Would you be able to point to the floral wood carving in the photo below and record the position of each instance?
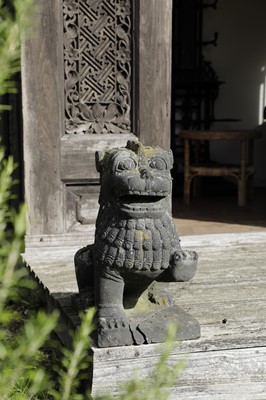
(97, 60)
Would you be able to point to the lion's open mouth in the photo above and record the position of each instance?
(140, 199)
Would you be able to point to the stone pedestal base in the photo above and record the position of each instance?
(151, 327)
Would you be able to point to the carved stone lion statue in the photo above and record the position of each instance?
(136, 243)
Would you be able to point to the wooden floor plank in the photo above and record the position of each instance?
(227, 296)
(230, 374)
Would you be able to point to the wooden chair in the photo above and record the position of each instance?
(243, 171)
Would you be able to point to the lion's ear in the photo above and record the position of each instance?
(99, 156)
(171, 158)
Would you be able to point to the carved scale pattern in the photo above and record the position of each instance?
(97, 60)
(142, 244)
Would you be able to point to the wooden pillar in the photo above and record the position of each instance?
(154, 71)
(43, 97)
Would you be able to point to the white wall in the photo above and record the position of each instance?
(240, 60)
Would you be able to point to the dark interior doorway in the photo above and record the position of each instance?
(196, 86)
(219, 75)
(11, 128)
(11, 137)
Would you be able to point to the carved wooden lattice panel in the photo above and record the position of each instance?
(81, 207)
(97, 59)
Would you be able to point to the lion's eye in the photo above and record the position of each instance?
(158, 163)
(126, 165)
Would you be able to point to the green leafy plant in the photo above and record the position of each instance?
(74, 366)
(19, 351)
(14, 21)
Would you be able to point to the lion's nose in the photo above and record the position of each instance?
(145, 173)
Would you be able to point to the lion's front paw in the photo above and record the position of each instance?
(111, 316)
(111, 323)
(114, 331)
(184, 265)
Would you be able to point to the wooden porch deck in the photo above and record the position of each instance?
(227, 296)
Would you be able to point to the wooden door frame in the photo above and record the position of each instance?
(43, 105)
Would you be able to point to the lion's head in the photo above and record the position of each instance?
(136, 178)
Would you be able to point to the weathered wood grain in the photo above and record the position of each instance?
(53, 159)
(154, 71)
(43, 114)
(78, 154)
(60, 241)
(227, 296)
(230, 374)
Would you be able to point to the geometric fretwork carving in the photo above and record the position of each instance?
(97, 60)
